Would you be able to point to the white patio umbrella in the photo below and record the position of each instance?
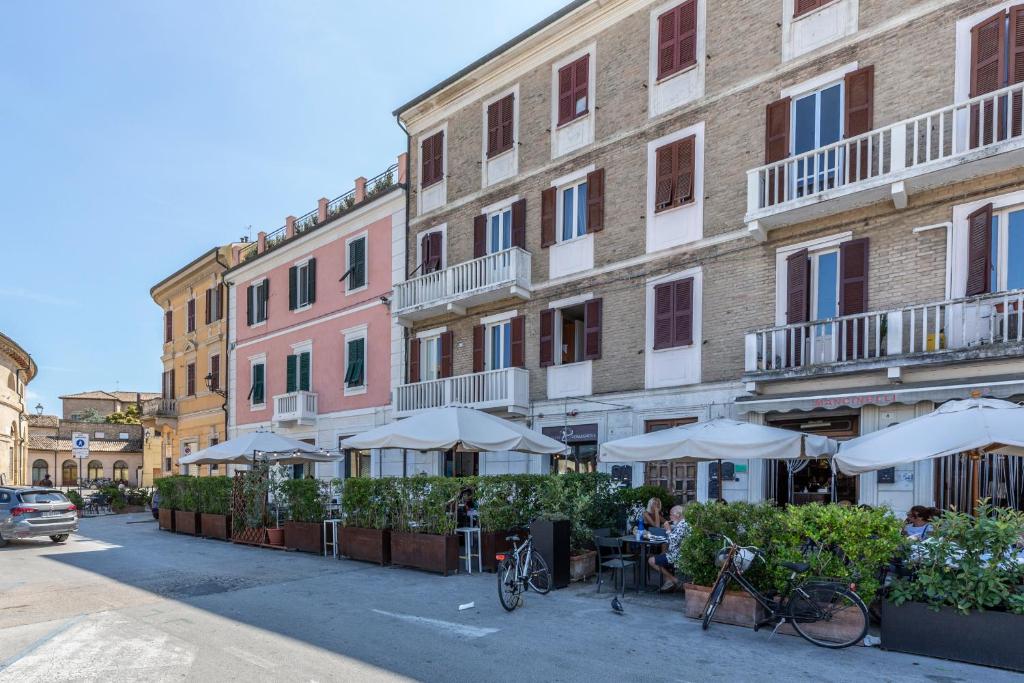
(463, 429)
(978, 425)
(242, 450)
(718, 439)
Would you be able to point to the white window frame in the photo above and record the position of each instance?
(352, 334)
(504, 328)
(500, 214)
(821, 244)
(365, 236)
(256, 286)
(304, 346)
(845, 13)
(302, 269)
(1002, 261)
(261, 359)
(588, 121)
(440, 186)
(573, 185)
(485, 161)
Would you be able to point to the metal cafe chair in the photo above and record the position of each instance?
(609, 556)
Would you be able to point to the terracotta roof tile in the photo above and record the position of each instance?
(43, 421)
(50, 443)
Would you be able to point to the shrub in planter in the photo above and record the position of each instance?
(170, 499)
(215, 506)
(588, 500)
(366, 509)
(630, 498)
(507, 504)
(76, 500)
(306, 500)
(424, 523)
(186, 516)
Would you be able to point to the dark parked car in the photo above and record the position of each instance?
(34, 511)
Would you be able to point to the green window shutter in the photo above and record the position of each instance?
(257, 384)
(293, 288)
(290, 383)
(354, 374)
(357, 262)
(311, 282)
(304, 371)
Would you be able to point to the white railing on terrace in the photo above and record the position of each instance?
(889, 153)
(507, 267)
(293, 406)
(160, 407)
(491, 389)
(945, 326)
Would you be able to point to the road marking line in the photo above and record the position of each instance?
(32, 647)
(448, 626)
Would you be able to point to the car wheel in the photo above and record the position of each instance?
(59, 538)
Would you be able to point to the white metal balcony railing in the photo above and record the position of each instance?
(937, 328)
(508, 389)
(296, 406)
(908, 148)
(464, 281)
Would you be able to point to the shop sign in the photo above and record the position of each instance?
(572, 433)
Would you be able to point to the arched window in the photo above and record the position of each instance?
(95, 469)
(69, 473)
(120, 471)
(39, 471)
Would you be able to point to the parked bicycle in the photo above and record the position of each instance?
(519, 570)
(825, 612)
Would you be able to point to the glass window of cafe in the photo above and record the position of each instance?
(582, 443)
(812, 481)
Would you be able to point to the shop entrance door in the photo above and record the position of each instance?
(812, 481)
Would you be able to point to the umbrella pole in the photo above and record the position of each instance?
(975, 479)
(720, 480)
(405, 463)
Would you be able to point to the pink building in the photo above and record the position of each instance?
(312, 347)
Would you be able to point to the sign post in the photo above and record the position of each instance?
(80, 451)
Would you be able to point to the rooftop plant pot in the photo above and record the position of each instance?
(166, 517)
(583, 566)
(551, 540)
(737, 607)
(186, 522)
(304, 536)
(275, 536)
(215, 526)
(367, 545)
(986, 638)
(431, 552)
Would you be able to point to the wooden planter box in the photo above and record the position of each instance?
(582, 567)
(304, 536)
(368, 545)
(985, 638)
(492, 542)
(432, 552)
(737, 607)
(551, 540)
(166, 518)
(187, 522)
(216, 526)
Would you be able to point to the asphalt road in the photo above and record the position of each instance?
(124, 601)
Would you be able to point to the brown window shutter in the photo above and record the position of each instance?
(414, 360)
(547, 337)
(565, 93)
(548, 202)
(853, 277)
(667, 43)
(519, 223)
(436, 250)
(215, 372)
(438, 171)
(682, 324)
(801, 7)
(581, 80)
(664, 168)
(685, 157)
(427, 161)
(592, 329)
(979, 251)
(169, 326)
(595, 200)
(798, 280)
(776, 141)
(220, 301)
(517, 330)
(687, 32)
(480, 236)
(860, 98)
(493, 128)
(506, 113)
(479, 347)
(987, 55)
(1016, 67)
(208, 315)
(447, 345)
(663, 305)
(172, 384)
(426, 257)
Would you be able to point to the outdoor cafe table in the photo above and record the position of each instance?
(645, 547)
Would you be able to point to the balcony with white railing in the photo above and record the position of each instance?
(978, 136)
(295, 408)
(493, 277)
(506, 390)
(986, 326)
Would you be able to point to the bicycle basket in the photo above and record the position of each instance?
(742, 560)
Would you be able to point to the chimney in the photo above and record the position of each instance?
(360, 189)
(261, 241)
(289, 227)
(403, 170)
(321, 210)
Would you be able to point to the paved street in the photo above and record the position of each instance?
(123, 601)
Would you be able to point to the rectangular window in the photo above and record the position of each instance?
(677, 39)
(573, 85)
(297, 372)
(817, 122)
(190, 379)
(430, 358)
(499, 231)
(432, 159)
(573, 211)
(256, 392)
(357, 263)
(257, 304)
(1007, 256)
(124, 436)
(168, 326)
(355, 372)
(675, 168)
(191, 318)
(500, 117)
(824, 285)
(673, 314)
(215, 372)
(499, 346)
(302, 285)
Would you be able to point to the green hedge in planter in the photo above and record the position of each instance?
(641, 494)
(967, 563)
(507, 501)
(170, 490)
(589, 500)
(214, 495)
(306, 499)
(366, 503)
(422, 504)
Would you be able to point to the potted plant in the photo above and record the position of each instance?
(507, 504)
(307, 501)
(424, 525)
(587, 501)
(186, 517)
(366, 532)
(215, 507)
(966, 601)
(169, 500)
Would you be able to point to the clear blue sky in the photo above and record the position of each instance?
(137, 135)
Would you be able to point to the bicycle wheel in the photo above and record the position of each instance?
(717, 593)
(508, 586)
(537, 574)
(828, 615)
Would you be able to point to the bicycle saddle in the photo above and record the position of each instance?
(513, 537)
(798, 567)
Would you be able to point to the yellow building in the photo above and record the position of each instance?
(17, 369)
(191, 412)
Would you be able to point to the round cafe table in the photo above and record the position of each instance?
(645, 547)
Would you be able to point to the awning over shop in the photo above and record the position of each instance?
(937, 392)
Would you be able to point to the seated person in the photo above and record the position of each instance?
(652, 515)
(665, 562)
(918, 526)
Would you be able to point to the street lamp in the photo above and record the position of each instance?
(39, 409)
(209, 385)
